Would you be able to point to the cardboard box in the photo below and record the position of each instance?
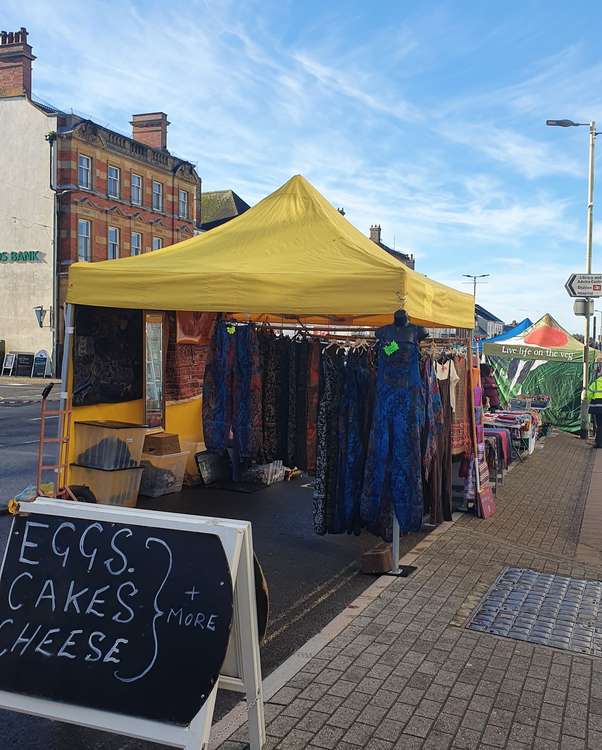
(161, 443)
(378, 560)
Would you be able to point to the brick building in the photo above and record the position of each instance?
(121, 196)
(108, 196)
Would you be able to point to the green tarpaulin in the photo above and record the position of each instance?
(542, 359)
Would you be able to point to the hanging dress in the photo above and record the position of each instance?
(218, 389)
(325, 517)
(270, 356)
(247, 416)
(393, 475)
(354, 423)
(448, 381)
(313, 396)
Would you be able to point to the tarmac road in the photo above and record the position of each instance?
(311, 579)
(19, 437)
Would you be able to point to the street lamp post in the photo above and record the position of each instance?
(474, 290)
(588, 255)
(474, 280)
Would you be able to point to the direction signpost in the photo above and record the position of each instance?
(584, 285)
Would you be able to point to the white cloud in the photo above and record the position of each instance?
(334, 79)
(529, 290)
(524, 155)
(253, 102)
(563, 84)
(509, 261)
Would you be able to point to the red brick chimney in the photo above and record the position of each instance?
(15, 64)
(150, 128)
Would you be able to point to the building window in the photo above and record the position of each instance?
(136, 247)
(84, 172)
(157, 196)
(83, 240)
(113, 238)
(136, 189)
(113, 182)
(183, 205)
(157, 243)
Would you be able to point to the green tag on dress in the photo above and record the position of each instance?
(391, 348)
(231, 329)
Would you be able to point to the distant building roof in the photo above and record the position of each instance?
(375, 232)
(483, 313)
(403, 257)
(220, 206)
(49, 109)
(69, 122)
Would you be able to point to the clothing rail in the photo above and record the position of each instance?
(364, 335)
(318, 329)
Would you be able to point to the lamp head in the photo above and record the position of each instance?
(562, 123)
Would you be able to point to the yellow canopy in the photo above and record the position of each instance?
(291, 255)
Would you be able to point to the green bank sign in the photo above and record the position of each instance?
(20, 256)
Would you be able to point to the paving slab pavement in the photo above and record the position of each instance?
(589, 546)
(403, 672)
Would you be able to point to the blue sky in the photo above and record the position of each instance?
(427, 118)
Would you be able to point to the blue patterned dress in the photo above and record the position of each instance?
(393, 473)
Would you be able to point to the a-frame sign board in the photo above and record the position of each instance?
(120, 619)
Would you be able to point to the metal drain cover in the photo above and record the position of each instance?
(546, 609)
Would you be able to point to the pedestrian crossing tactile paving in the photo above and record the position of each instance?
(542, 608)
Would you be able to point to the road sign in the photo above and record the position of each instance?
(584, 285)
(583, 307)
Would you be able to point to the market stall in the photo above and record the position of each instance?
(292, 261)
(511, 333)
(541, 360)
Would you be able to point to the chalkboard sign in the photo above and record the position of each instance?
(8, 363)
(40, 364)
(23, 365)
(117, 616)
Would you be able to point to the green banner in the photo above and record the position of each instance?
(518, 351)
(562, 381)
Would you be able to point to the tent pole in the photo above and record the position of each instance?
(66, 354)
(395, 546)
(64, 394)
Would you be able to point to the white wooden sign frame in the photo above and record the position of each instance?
(244, 640)
(9, 357)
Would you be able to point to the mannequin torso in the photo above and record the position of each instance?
(401, 331)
